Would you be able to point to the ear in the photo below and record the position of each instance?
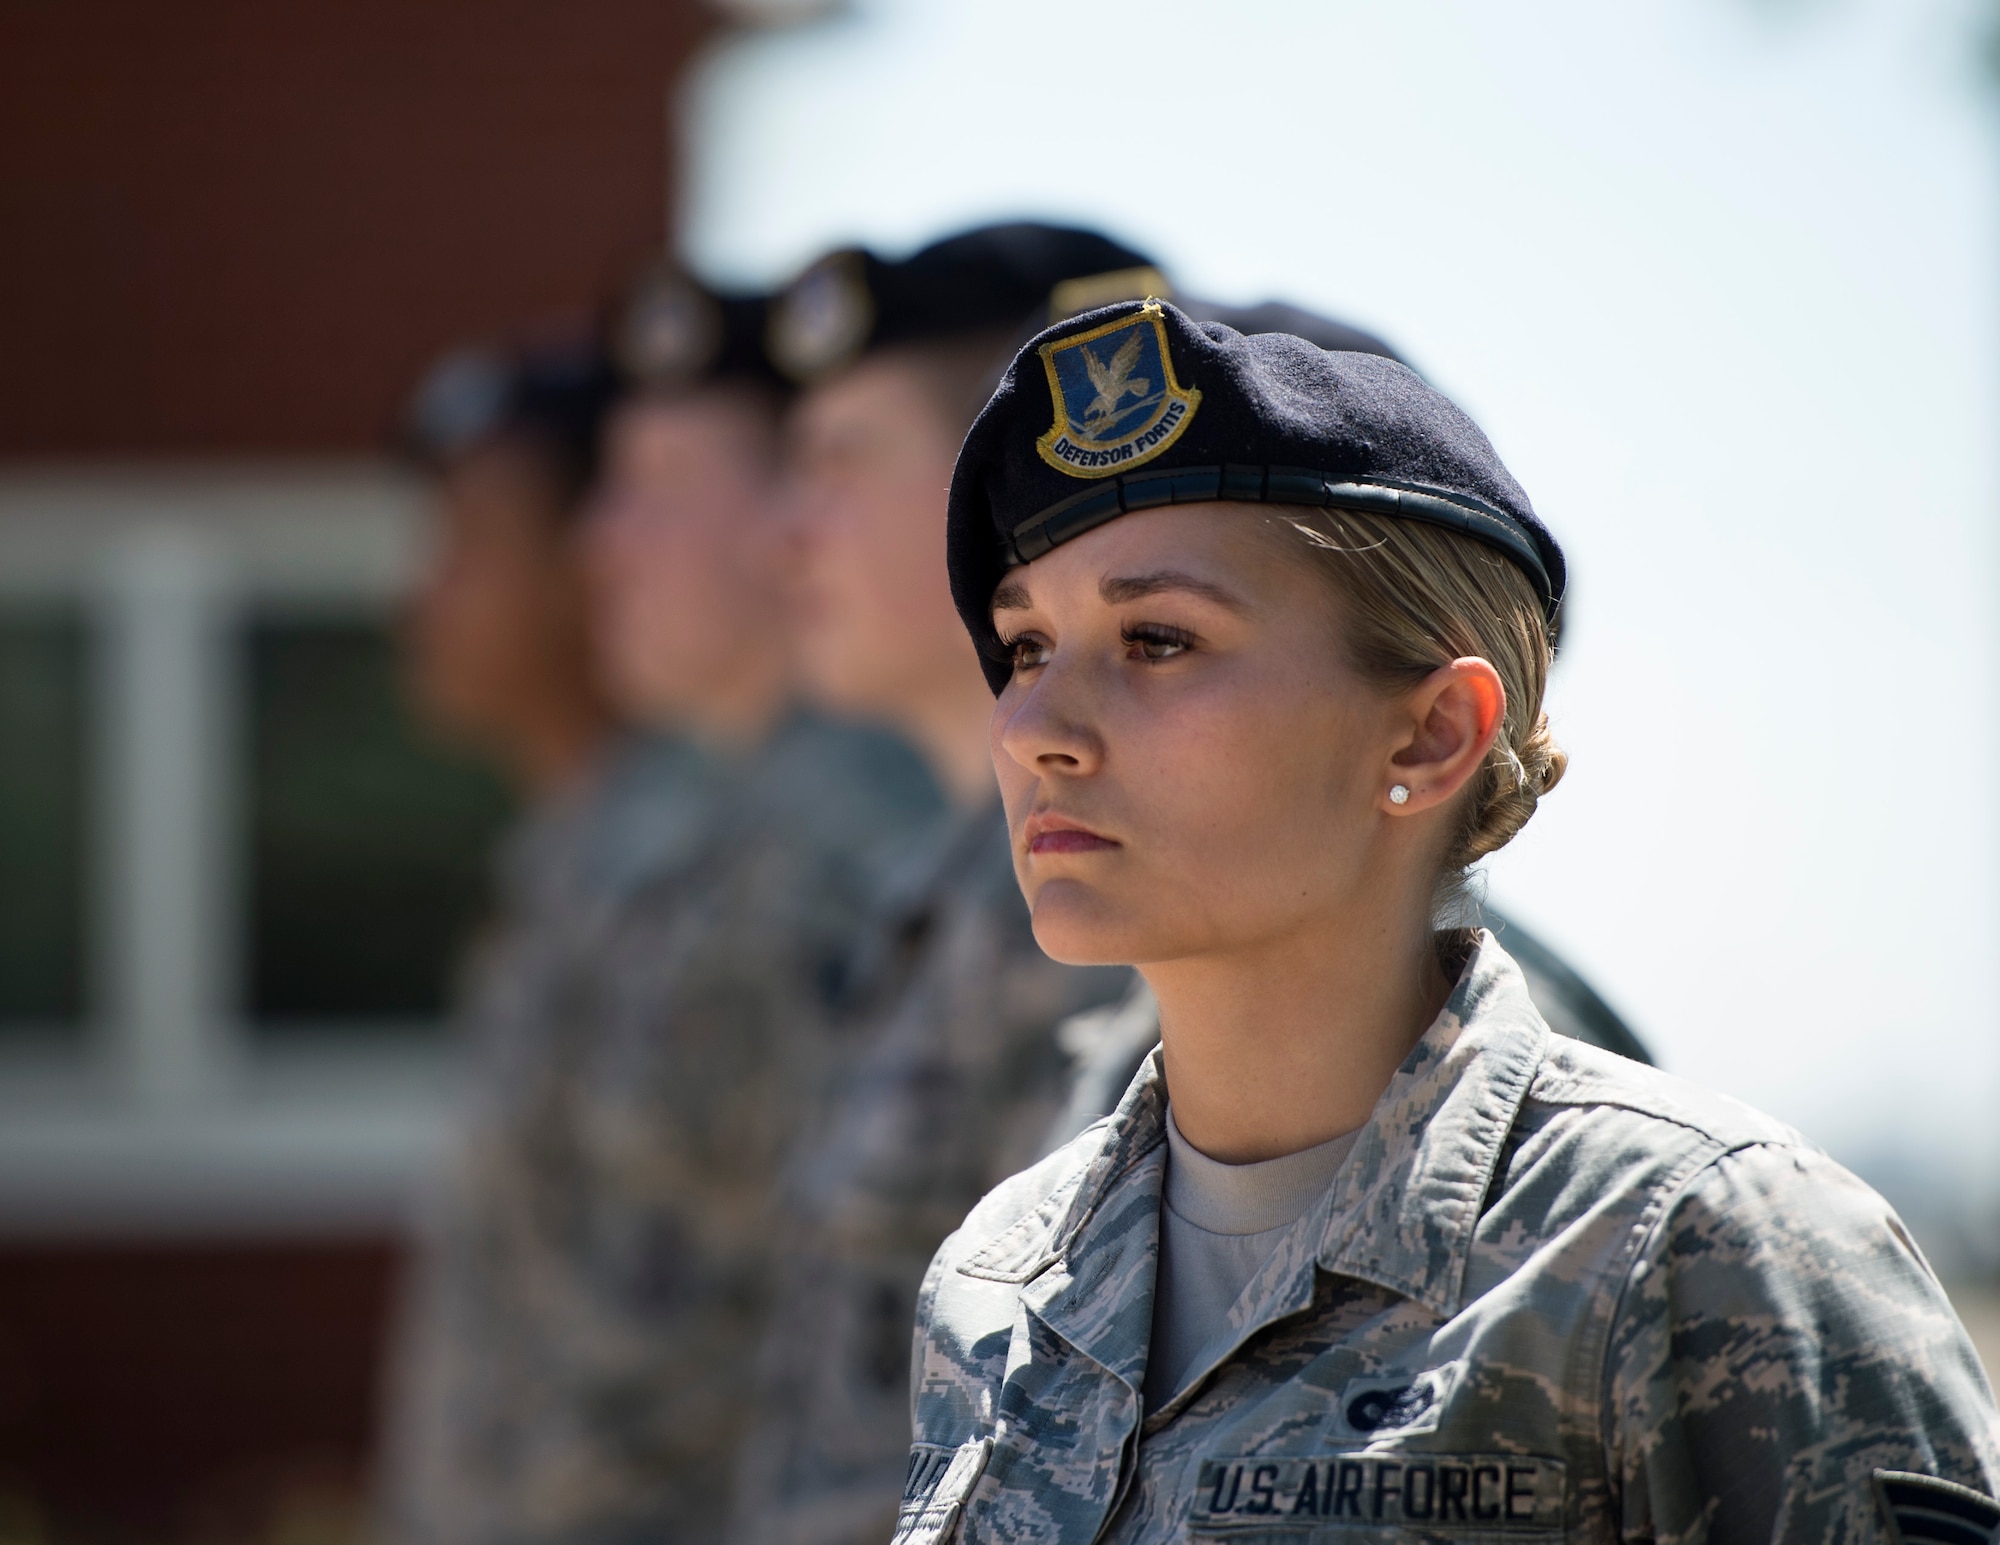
(1455, 714)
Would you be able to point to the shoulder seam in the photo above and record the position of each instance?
(1576, 1097)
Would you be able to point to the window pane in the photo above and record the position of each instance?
(42, 797)
(369, 845)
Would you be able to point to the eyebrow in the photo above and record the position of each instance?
(1013, 596)
(1136, 587)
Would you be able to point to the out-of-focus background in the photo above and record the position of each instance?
(1717, 275)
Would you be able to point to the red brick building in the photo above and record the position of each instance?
(230, 235)
(237, 229)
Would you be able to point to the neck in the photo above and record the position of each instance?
(549, 756)
(1279, 1048)
(950, 728)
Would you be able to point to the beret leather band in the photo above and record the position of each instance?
(1122, 494)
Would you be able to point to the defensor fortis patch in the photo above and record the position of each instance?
(1117, 404)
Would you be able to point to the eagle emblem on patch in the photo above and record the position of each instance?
(1116, 400)
(1923, 1510)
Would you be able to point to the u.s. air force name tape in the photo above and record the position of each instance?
(1514, 1493)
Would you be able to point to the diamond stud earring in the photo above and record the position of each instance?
(1399, 794)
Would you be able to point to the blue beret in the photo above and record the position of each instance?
(1137, 405)
(997, 278)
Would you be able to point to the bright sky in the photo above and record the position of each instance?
(1718, 278)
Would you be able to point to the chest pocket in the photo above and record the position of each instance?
(934, 1492)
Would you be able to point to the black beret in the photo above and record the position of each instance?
(553, 394)
(669, 331)
(1277, 316)
(993, 279)
(1137, 405)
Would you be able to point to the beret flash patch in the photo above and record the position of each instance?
(824, 319)
(670, 331)
(1117, 404)
(1923, 1510)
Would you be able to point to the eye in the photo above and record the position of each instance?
(1025, 651)
(1156, 641)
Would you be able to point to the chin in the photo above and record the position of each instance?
(1081, 926)
(828, 681)
(854, 682)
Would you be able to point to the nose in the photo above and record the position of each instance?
(801, 496)
(1048, 725)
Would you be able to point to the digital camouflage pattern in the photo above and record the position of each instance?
(952, 1078)
(1551, 1294)
(646, 1027)
(1106, 1045)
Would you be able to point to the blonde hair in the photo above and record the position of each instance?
(1415, 597)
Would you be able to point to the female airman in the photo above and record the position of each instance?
(1364, 1251)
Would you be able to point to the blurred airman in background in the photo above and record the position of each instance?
(499, 653)
(953, 1073)
(497, 637)
(576, 1365)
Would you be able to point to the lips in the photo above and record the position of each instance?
(1053, 834)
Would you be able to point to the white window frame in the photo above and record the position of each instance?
(165, 1115)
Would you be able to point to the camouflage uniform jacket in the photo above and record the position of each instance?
(1552, 1294)
(1106, 1045)
(644, 1032)
(952, 1076)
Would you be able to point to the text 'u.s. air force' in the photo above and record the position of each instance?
(1511, 1493)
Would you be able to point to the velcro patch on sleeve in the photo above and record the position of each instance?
(1923, 1510)
(1476, 1493)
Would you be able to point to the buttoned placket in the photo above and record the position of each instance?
(1062, 1256)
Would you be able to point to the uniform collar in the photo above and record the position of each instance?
(1402, 1211)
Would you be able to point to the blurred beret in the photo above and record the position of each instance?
(1138, 405)
(998, 278)
(669, 331)
(554, 395)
